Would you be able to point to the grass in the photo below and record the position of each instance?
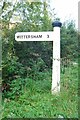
(37, 101)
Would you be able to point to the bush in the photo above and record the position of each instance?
(16, 87)
(12, 69)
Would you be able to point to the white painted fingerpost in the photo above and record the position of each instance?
(56, 58)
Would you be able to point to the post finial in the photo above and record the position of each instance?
(57, 24)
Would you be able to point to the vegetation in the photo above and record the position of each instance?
(27, 66)
(34, 99)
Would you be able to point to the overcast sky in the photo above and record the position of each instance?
(66, 9)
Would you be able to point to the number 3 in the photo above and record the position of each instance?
(47, 36)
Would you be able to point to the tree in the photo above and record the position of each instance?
(69, 40)
(19, 57)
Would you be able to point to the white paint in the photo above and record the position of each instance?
(56, 61)
(53, 36)
(34, 36)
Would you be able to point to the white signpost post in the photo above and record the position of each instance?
(47, 36)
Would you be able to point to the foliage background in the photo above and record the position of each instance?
(27, 66)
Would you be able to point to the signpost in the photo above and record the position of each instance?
(34, 36)
(47, 36)
(56, 58)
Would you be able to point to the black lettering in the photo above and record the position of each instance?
(28, 36)
(18, 36)
(47, 36)
(40, 36)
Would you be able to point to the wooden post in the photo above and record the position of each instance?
(56, 58)
(47, 36)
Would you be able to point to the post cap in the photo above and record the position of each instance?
(57, 24)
